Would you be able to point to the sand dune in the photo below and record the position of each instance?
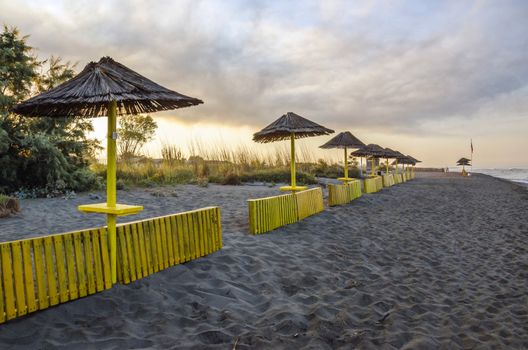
(438, 262)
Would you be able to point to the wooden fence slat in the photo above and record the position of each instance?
(184, 237)
(88, 255)
(130, 253)
(160, 229)
(142, 250)
(80, 264)
(40, 272)
(2, 306)
(18, 274)
(61, 269)
(99, 282)
(29, 277)
(105, 258)
(123, 256)
(175, 240)
(7, 274)
(148, 248)
(154, 245)
(70, 266)
(50, 271)
(168, 234)
(137, 254)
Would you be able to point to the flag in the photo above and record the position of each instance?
(471, 146)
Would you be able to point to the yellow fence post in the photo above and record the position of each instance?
(346, 164)
(292, 162)
(111, 186)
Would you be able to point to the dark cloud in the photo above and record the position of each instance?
(376, 65)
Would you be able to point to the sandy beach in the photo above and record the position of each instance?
(438, 262)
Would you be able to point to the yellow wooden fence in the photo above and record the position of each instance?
(266, 214)
(372, 184)
(40, 272)
(148, 246)
(397, 178)
(343, 193)
(388, 180)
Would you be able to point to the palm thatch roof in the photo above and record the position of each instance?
(406, 160)
(282, 128)
(344, 139)
(390, 153)
(370, 150)
(89, 93)
(413, 159)
(463, 161)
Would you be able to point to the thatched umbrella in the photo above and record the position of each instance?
(290, 126)
(389, 153)
(106, 88)
(371, 150)
(463, 161)
(397, 156)
(344, 140)
(414, 161)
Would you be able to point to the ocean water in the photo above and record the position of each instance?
(519, 175)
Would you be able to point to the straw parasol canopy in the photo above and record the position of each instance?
(370, 150)
(106, 88)
(290, 126)
(390, 153)
(282, 129)
(89, 93)
(463, 161)
(344, 139)
(414, 160)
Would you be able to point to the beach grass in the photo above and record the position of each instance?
(221, 165)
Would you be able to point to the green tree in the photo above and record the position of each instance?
(45, 153)
(133, 132)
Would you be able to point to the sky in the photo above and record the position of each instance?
(422, 77)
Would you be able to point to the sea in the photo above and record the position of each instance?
(519, 175)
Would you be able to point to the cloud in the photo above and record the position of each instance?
(393, 67)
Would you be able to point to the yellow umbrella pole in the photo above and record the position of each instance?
(372, 170)
(111, 186)
(396, 166)
(292, 163)
(346, 164)
(387, 165)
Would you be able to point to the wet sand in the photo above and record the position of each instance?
(438, 262)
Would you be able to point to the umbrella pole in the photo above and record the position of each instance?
(346, 164)
(396, 166)
(292, 163)
(361, 167)
(372, 168)
(111, 186)
(387, 165)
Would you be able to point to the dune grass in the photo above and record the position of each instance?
(221, 165)
(8, 206)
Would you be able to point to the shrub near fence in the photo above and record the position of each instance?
(345, 193)
(37, 273)
(266, 214)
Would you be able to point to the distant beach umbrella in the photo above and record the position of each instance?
(371, 151)
(396, 155)
(290, 126)
(344, 140)
(464, 161)
(106, 88)
(389, 153)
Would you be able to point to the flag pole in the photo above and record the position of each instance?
(471, 143)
